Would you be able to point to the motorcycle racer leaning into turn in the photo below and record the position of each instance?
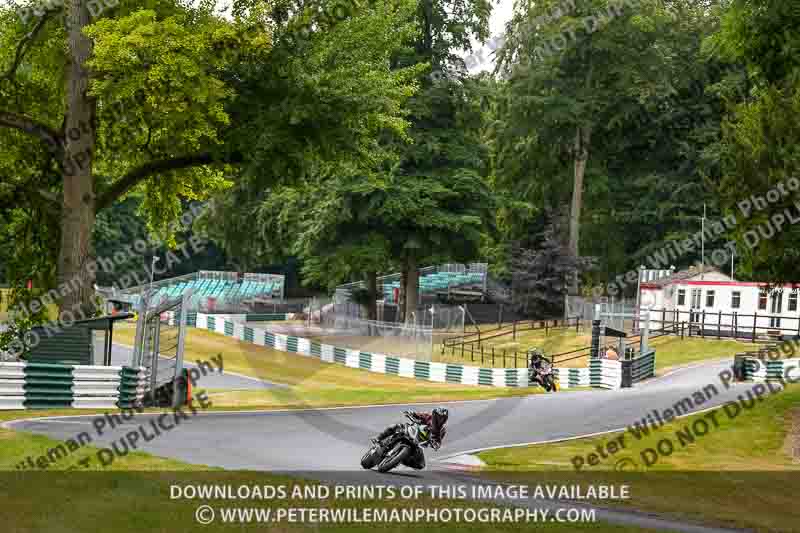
(433, 422)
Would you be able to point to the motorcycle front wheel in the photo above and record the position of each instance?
(394, 457)
(371, 458)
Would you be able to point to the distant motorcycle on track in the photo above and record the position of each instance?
(540, 371)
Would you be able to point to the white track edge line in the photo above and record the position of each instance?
(563, 439)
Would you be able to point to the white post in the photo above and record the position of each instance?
(645, 334)
(703, 244)
(152, 274)
(638, 297)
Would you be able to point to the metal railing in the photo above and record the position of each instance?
(514, 327)
(709, 324)
(471, 347)
(159, 346)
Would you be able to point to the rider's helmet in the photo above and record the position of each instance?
(438, 421)
(535, 355)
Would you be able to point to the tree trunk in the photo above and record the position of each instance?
(75, 277)
(581, 154)
(412, 287)
(372, 292)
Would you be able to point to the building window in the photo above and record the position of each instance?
(696, 298)
(762, 300)
(736, 299)
(709, 298)
(681, 296)
(793, 301)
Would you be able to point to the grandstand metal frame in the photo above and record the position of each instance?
(208, 286)
(342, 292)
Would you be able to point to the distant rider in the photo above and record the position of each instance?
(435, 422)
(537, 358)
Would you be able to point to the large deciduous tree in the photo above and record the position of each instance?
(175, 101)
(566, 74)
(422, 197)
(760, 148)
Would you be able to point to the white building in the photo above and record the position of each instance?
(716, 304)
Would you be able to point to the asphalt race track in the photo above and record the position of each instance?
(330, 440)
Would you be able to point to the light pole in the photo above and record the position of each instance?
(703, 244)
(638, 296)
(153, 262)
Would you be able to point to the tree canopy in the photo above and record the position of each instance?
(355, 142)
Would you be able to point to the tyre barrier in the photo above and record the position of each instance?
(607, 374)
(51, 386)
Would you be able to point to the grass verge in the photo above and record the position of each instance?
(741, 472)
(312, 383)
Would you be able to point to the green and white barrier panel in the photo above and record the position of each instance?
(132, 387)
(201, 320)
(268, 317)
(572, 377)
(231, 326)
(605, 373)
(44, 385)
(772, 370)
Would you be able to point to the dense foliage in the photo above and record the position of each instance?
(357, 143)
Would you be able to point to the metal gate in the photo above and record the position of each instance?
(160, 340)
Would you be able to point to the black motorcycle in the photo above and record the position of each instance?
(541, 373)
(391, 451)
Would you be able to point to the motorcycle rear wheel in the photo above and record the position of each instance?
(394, 457)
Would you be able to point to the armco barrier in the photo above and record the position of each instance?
(607, 374)
(46, 386)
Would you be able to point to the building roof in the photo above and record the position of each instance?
(684, 275)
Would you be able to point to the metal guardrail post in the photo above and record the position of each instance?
(176, 401)
(627, 373)
(703, 325)
(155, 348)
(645, 336)
(595, 351)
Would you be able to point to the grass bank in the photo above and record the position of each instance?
(742, 471)
(312, 383)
